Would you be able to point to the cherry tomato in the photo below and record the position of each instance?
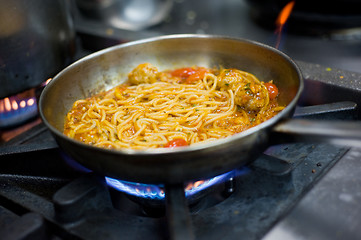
(190, 74)
(198, 74)
(183, 72)
(176, 143)
(272, 90)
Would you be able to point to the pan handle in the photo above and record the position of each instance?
(346, 133)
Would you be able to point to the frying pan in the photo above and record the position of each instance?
(107, 68)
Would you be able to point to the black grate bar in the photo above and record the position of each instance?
(178, 214)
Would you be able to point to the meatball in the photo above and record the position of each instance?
(229, 78)
(143, 73)
(249, 93)
(251, 96)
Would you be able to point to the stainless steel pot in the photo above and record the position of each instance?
(108, 68)
(126, 14)
(36, 41)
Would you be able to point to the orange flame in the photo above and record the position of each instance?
(9, 104)
(285, 13)
(194, 185)
(282, 19)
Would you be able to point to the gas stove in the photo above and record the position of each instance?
(45, 194)
(293, 191)
(55, 200)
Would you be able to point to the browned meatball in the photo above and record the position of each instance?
(228, 78)
(143, 73)
(249, 93)
(251, 96)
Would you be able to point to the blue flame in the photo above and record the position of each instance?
(137, 189)
(15, 110)
(156, 192)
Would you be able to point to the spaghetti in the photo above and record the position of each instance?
(155, 109)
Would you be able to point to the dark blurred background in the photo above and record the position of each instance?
(326, 33)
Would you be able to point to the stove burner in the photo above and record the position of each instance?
(18, 109)
(156, 192)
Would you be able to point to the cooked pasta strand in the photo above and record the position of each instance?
(151, 110)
